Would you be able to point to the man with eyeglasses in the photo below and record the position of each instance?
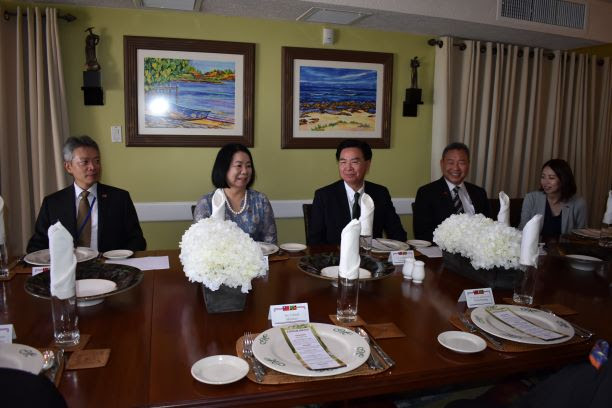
(336, 204)
(98, 216)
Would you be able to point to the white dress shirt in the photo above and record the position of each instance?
(350, 194)
(466, 202)
(93, 192)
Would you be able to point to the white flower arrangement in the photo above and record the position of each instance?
(217, 252)
(486, 243)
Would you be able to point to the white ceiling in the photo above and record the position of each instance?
(471, 19)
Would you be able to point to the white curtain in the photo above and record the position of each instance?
(517, 107)
(34, 117)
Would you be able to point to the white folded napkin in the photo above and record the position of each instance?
(218, 205)
(503, 215)
(349, 250)
(63, 261)
(367, 214)
(529, 241)
(2, 232)
(607, 218)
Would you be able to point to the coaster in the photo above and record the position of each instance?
(509, 301)
(91, 358)
(358, 322)
(559, 309)
(384, 330)
(82, 343)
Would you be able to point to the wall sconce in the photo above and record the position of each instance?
(328, 36)
(92, 88)
(413, 94)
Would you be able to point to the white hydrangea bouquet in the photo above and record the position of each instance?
(486, 243)
(217, 252)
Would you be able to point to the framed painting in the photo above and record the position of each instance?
(184, 92)
(331, 95)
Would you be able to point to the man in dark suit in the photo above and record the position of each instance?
(334, 205)
(98, 216)
(448, 195)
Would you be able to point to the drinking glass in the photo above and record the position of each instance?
(4, 271)
(605, 237)
(365, 242)
(348, 297)
(65, 321)
(524, 287)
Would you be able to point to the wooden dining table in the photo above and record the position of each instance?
(157, 330)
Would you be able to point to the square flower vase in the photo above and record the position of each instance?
(495, 278)
(224, 299)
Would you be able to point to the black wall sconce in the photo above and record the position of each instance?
(413, 94)
(92, 83)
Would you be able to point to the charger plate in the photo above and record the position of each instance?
(42, 257)
(313, 265)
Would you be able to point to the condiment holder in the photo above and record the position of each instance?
(407, 268)
(418, 272)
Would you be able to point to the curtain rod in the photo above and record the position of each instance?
(67, 17)
(483, 48)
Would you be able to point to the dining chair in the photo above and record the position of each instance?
(24, 389)
(516, 205)
(306, 210)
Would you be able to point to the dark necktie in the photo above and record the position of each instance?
(356, 207)
(457, 201)
(84, 221)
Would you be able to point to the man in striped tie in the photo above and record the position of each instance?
(448, 195)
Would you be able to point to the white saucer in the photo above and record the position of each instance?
(20, 357)
(267, 249)
(461, 342)
(118, 254)
(221, 369)
(292, 247)
(583, 262)
(332, 272)
(93, 287)
(418, 243)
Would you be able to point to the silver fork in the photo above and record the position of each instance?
(474, 329)
(247, 351)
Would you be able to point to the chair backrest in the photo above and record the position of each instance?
(516, 205)
(306, 210)
(192, 210)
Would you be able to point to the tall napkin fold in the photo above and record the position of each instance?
(2, 232)
(367, 214)
(503, 215)
(349, 250)
(218, 205)
(529, 241)
(607, 218)
(63, 261)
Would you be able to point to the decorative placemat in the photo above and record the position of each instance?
(511, 346)
(275, 377)
(82, 343)
(91, 358)
(384, 330)
(358, 321)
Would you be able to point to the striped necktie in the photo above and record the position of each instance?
(356, 207)
(457, 201)
(84, 221)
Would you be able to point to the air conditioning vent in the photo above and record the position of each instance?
(554, 12)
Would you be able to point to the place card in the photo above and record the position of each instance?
(309, 349)
(477, 297)
(39, 269)
(398, 257)
(510, 318)
(291, 313)
(7, 333)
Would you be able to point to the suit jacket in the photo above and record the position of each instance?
(118, 226)
(330, 213)
(573, 213)
(434, 204)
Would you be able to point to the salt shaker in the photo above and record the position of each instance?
(407, 268)
(418, 273)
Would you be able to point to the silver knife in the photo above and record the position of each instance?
(390, 362)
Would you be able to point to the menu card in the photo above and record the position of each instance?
(512, 319)
(309, 349)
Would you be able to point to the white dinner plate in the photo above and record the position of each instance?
(221, 369)
(42, 258)
(419, 243)
(118, 254)
(382, 245)
(490, 324)
(587, 232)
(332, 272)
(267, 249)
(293, 247)
(461, 342)
(271, 348)
(20, 357)
(583, 262)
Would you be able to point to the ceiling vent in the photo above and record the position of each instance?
(184, 5)
(559, 13)
(329, 16)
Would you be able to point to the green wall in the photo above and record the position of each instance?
(156, 174)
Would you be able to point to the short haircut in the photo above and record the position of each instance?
(360, 144)
(74, 142)
(223, 162)
(566, 177)
(456, 146)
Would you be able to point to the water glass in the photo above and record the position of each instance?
(348, 296)
(65, 321)
(524, 287)
(365, 242)
(4, 271)
(605, 237)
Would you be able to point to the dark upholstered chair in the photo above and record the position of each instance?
(516, 204)
(22, 389)
(306, 210)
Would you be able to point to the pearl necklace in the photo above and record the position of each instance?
(244, 204)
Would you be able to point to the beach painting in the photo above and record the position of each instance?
(338, 100)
